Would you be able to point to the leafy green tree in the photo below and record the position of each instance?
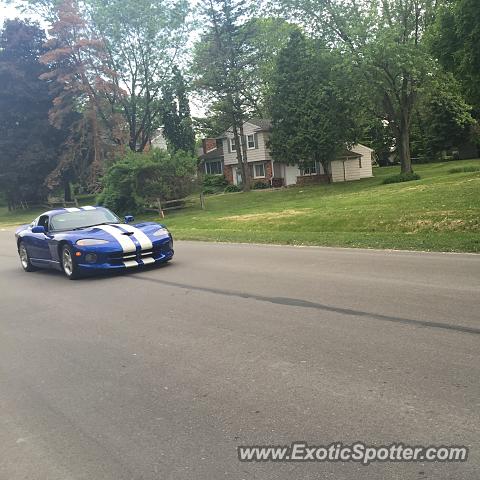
(85, 88)
(137, 178)
(142, 41)
(177, 121)
(312, 116)
(377, 135)
(268, 36)
(442, 120)
(455, 41)
(223, 62)
(383, 42)
(29, 145)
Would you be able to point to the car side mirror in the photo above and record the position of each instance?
(39, 229)
(129, 218)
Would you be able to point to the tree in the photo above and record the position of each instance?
(223, 62)
(28, 144)
(455, 40)
(442, 119)
(384, 44)
(312, 117)
(142, 40)
(139, 178)
(86, 92)
(268, 36)
(177, 121)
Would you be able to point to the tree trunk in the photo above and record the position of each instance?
(247, 185)
(67, 195)
(241, 164)
(403, 146)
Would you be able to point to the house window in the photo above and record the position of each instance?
(251, 142)
(258, 170)
(310, 169)
(359, 162)
(214, 167)
(233, 147)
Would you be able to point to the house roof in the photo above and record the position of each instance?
(262, 123)
(348, 153)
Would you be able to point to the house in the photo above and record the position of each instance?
(158, 139)
(211, 156)
(219, 155)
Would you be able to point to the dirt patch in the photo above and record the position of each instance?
(266, 216)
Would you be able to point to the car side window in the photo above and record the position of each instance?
(43, 221)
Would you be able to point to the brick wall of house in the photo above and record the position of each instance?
(268, 175)
(209, 144)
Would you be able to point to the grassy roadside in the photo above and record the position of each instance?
(440, 212)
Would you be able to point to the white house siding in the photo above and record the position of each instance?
(366, 152)
(345, 170)
(259, 154)
(291, 174)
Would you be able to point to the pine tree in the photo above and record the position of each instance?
(177, 121)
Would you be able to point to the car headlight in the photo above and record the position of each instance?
(85, 242)
(161, 232)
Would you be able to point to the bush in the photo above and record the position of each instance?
(401, 177)
(214, 184)
(137, 177)
(232, 188)
(471, 168)
(260, 185)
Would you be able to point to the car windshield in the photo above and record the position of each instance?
(82, 219)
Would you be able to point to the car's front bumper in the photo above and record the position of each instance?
(91, 259)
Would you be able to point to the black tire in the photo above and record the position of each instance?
(24, 258)
(68, 263)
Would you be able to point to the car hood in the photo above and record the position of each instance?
(117, 233)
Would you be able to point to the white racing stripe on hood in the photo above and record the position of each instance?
(125, 241)
(87, 208)
(144, 241)
(72, 209)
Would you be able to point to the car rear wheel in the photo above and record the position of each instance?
(68, 263)
(24, 258)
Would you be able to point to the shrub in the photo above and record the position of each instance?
(401, 177)
(214, 184)
(260, 185)
(232, 188)
(137, 177)
(471, 168)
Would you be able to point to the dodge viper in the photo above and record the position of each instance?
(90, 239)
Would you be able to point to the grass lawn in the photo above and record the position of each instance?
(440, 212)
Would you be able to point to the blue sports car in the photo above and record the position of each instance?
(90, 239)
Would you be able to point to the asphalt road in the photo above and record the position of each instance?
(162, 373)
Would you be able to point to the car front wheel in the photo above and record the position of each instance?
(24, 258)
(68, 263)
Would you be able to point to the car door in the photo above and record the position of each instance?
(38, 244)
